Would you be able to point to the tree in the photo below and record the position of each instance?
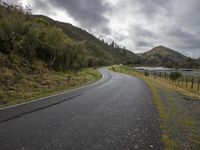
(112, 44)
(13, 26)
(30, 42)
(75, 54)
(54, 40)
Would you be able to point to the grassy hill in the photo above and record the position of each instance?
(161, 56)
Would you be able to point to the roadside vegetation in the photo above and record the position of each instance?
(22, 81)
(178, 109)
(24, 36)
(40, 56)
(38, 59)
(61, 46)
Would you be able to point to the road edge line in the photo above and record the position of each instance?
(60, 93)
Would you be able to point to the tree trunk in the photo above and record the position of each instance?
(53, 59)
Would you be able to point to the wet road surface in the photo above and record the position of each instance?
(115, 113)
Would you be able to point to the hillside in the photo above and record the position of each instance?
(161, 55)
(61, 46)
(39, 56)
(102, 53)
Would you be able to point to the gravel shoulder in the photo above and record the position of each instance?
(179, 112)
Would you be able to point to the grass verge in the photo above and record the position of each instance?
(179, 116)
(21, 87)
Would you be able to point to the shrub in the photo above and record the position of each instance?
(113, 68)
(146, 73)
(175, 75)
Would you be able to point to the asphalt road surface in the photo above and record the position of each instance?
(115, 113)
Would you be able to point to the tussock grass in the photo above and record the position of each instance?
(31, 87)
(21, 82)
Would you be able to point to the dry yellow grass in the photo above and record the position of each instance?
(27, 87)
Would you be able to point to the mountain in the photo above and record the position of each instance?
(103, 53)
(166, 57)
(161, 55)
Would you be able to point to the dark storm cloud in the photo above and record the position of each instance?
(89, 13)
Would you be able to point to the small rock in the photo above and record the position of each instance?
(136, 146)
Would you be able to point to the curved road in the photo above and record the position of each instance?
(115, 113)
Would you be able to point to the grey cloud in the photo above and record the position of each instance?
(150, 8)
(188, 12)
(142, 43)
(11, 2)
(89, 13)
(143, 38)
(147, 23)
(178, 23)
(181, 38)
(42, 6)
(142, 32)
(106, 30)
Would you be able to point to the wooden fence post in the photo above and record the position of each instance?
(192, 84)
(186, 82)
(178, 80)
(182, 80)
(198, 85)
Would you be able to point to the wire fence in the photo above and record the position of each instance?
(189, 82)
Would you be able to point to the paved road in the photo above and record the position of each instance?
(116, 113)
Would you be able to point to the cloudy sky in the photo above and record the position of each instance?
(139, 25)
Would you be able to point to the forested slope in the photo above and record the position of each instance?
(60, 45)
(98, 50)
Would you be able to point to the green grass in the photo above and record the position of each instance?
(175, 119)
(25, 87)
(182, 84)
(23, 80)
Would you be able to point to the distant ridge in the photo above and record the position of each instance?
(162, 56)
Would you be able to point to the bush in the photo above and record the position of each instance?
(175, 75)
(113, 68)
(146, 73)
